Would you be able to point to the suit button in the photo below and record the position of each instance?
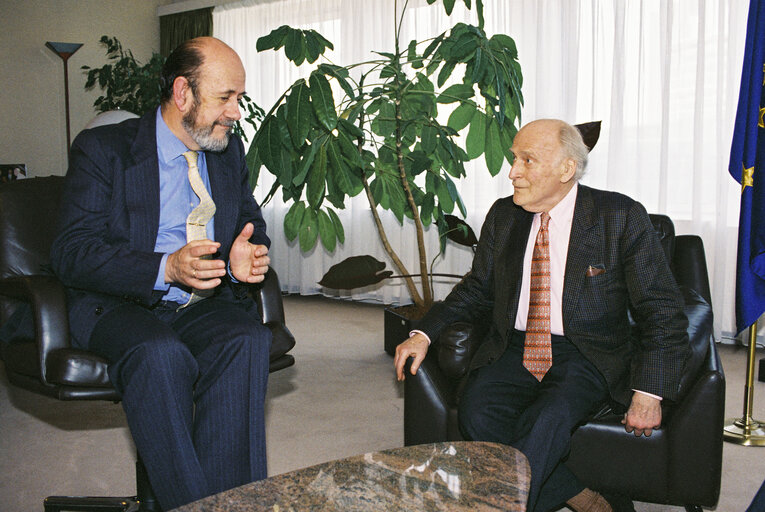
(99, 310)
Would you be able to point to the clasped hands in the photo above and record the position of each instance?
(192, 265)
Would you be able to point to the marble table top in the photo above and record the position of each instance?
(455, 476)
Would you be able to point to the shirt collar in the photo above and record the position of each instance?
(169, 147)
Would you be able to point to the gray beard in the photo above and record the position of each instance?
(203, 135)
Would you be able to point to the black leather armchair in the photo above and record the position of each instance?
(678, 465)
(42, 360)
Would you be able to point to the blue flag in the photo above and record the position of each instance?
(747, 166)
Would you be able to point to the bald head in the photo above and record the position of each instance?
(567, 136)
(188, 61)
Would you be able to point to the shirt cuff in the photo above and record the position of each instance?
(230, 275)
(415, 331)
(649, 394)
(159, 283)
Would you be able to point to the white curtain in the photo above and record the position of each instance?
(663, 76)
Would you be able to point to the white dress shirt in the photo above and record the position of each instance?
(559, 228)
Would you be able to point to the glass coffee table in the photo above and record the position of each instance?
(455, 476)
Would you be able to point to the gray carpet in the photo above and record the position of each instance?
(340, 399)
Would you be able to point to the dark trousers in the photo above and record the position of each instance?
(504, 403)
(193, 386)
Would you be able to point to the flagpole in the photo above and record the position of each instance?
(746, 431)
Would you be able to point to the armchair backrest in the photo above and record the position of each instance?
(28, 209)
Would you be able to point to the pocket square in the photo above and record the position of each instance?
(595, 270)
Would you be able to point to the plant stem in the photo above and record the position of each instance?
(410, 286)
(427, 291)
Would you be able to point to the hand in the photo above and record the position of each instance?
(249, 262)
(191, 265)
(417, 347)
(643, 416)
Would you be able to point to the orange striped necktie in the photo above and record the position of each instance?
(537, 351)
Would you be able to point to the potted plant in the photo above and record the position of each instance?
(382, 137)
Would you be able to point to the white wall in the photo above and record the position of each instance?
(32, 119)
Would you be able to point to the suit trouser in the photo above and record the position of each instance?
(193, 386)
(505, 403)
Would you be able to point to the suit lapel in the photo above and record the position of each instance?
(223, 191)
(142, 183)
(514, 242)
(584, 248)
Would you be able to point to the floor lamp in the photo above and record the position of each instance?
(65, 50)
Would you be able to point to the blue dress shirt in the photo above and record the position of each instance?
(176, 200)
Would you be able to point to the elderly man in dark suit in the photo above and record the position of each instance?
(557, 269)
(159, 236)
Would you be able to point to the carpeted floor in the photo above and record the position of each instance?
(340, 399)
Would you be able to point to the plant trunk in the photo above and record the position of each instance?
(409, 281)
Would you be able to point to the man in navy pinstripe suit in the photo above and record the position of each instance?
(192, 375)
(605, 260)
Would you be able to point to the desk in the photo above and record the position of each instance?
(457, 476)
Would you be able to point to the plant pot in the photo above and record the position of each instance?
(398, 323)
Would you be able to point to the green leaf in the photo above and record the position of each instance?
(449, 5)
(445, 201)
(309, 230)
(429, 138)
(350, 129)
(339, 231)
(507, 43)
(340, 74)
(446, 72)
(479, 66)
(316, 178)
(293, 47)
(420, 162)
(411, 55)
(322, 100)
(327, 232)
(455, 195)
(293, 220)
(384, 123)
(274, 40)
(322, 40)
(426, 209)
(312, 47)
(461, 116)
(433, 45)
(270, 146)
(299, 113)
(493, 151)
(476, 136)
(456, 92)
(305, 164)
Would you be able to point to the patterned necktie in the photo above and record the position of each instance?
(196, 222)
(537, 351)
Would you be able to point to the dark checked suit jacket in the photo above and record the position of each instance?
(610, 231)
(109, 219)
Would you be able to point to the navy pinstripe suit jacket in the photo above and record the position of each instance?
(109, 218)
(609, 230)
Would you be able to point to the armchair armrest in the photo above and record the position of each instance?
(268, 297)
(46, 296)
(456, 346)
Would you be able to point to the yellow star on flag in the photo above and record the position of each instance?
(747, 178)
(761, 122)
